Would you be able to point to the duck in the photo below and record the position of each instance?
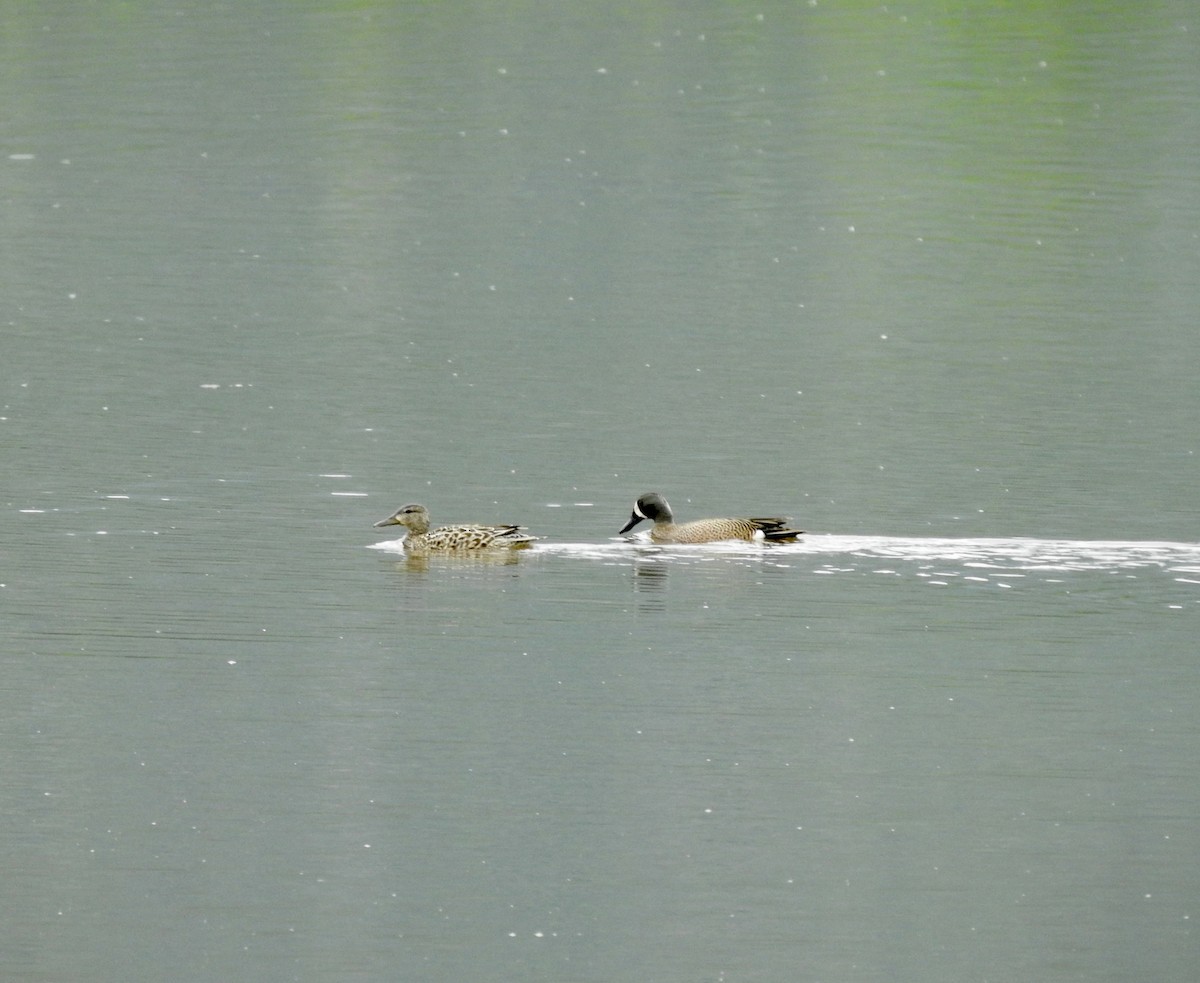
(653, 507)
(464, 536)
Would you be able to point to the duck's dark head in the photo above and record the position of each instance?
(650, 506)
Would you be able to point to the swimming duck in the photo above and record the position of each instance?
(654, 507)
(465, 536)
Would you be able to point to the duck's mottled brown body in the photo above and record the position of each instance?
(466, 536)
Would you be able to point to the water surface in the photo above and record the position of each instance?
(922, 278)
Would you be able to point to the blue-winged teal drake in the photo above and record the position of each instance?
(654, 507)
(467, 536)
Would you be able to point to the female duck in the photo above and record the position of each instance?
(467, 536)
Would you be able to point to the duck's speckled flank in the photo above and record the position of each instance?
(465, 536)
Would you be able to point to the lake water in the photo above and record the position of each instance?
(921, 277)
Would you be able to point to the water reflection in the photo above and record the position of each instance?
(461, 560)
(650, 573)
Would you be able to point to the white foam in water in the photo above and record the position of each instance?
(1014, 554)
(997, 556)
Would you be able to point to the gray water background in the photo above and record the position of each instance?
(922, 276)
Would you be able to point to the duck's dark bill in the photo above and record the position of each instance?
(633, 521)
